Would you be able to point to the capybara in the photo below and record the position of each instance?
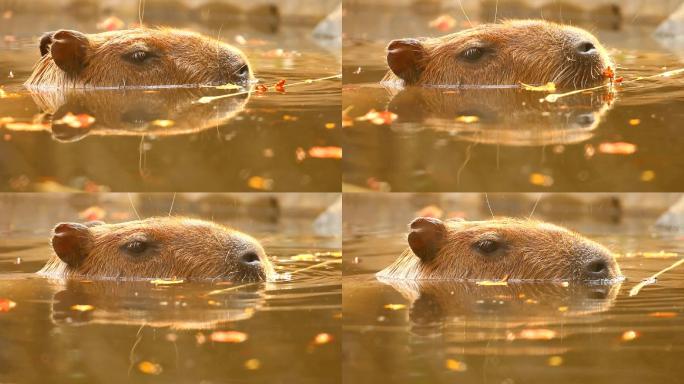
(137, 58)
(499, 249)
(507, 53)
(162, 247)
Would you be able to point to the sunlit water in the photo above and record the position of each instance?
(520, 333)
(288, 330)
(506, 139)
(163, 139)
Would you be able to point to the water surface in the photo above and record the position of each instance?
(281, 331)
(519, 333)
(455, 139)
(163, 139)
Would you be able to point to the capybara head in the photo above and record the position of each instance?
(162, 247)
(137, 57)
(508, 53)
(500, 249)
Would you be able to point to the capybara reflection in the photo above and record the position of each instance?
(500, 249)
(163, 247)
(508, 53)
(137, 57)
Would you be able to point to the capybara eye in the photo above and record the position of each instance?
(139, 56)
(136, 247)
(244, 70)
(487, 246)
(473, 54)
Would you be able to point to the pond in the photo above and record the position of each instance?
(166, 139)
(88, 331)
(449, 331)
(509, 139)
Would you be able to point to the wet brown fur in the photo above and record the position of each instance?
(527, 51)
(185, 58)
(184, 248)
(535, 251)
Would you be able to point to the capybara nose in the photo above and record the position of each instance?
(243, 71)
(596, 270)
(586, 48)
(250, 259)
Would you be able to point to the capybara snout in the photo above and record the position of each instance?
(157, 248)
(500, 249)
(508, 53)
(137, 57)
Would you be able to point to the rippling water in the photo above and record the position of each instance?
(518, 333)
(163, 139)
(288, 330)
(506, 139)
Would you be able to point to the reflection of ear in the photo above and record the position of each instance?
(62, 131)
(426, 237)
(68, 50)
(405, 59)
(72, 242)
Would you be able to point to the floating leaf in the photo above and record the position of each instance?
(166, 282)
(541, 180)
(326, 152)
(647, 175)
(323, 338)
(303, 257)
(537, 334)
(443, 23)
(81, 120)
(164, 123)
(609, 73)
(468, 119)
(663, 315)
(455, 365)
(630, 335)
(619, 148)
(149, 368)
(660, 255)
(112, 23)
(394, 307)
(228, 337)
(548, 87)
(634, 122)
(554, 361)
(378, 118)
(261, 183)
(280, 86)
(229, 86)
(252, 364)
(6, 305)
(82, 307)
(93, 213)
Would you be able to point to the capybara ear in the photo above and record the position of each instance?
(45, 42)
(405, 58)
(68, 50)
(426, 237)
(72, 242)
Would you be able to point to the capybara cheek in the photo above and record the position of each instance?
(426, 237)
(72, 243)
